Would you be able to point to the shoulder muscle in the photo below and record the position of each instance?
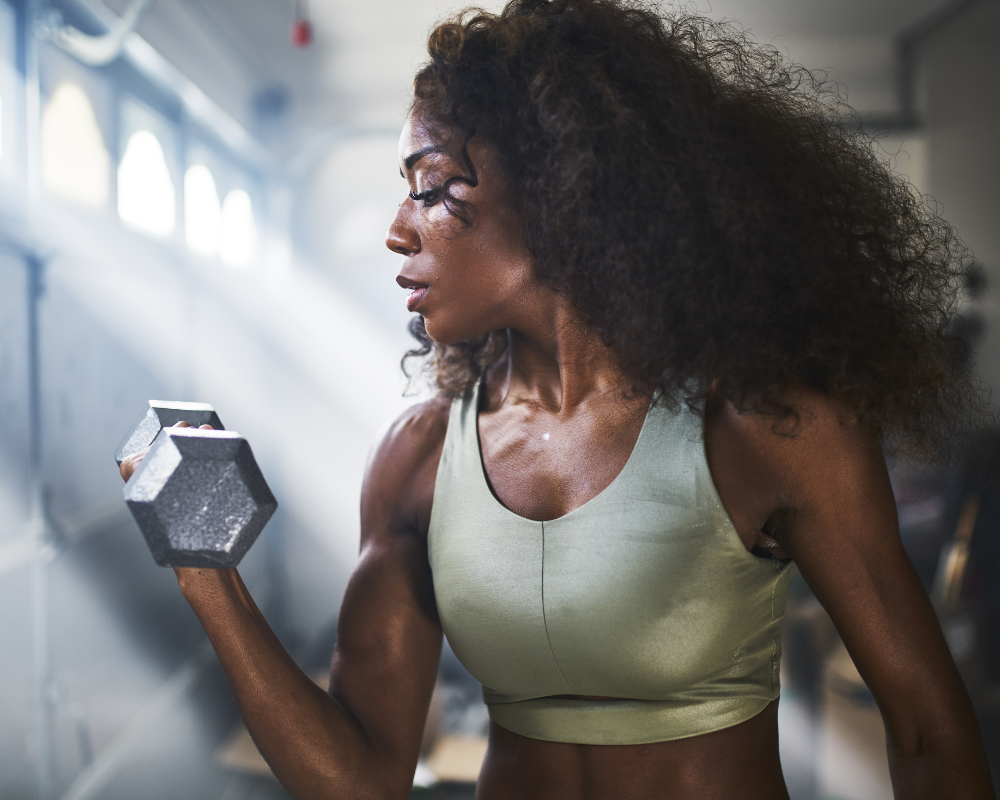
(764, 466)
(399, 480)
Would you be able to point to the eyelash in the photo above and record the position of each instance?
(428, 196)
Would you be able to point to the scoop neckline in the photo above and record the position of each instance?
(485, 481)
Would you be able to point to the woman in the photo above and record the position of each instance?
(676, 310)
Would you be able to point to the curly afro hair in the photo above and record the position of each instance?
(719, 216)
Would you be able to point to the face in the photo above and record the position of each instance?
(465, 280)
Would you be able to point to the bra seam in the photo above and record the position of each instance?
(545, 619)
(774, 640)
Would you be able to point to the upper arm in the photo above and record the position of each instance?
(841, 529)
(389, 636)
(844, 536)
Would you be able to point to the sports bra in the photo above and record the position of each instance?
(645, 592)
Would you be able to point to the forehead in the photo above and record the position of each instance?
(417, 137)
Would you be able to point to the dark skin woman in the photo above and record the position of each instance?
(608, 209)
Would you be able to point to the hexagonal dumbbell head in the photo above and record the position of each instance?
(199, 498)
(162, 414)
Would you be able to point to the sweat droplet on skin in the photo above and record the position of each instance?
(545, 436)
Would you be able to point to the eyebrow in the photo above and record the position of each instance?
(413, 158)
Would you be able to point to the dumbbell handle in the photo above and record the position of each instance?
(164, 414)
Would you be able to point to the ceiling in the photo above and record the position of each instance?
(356, 75)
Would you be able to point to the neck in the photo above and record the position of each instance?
(559, 363)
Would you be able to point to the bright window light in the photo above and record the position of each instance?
(202, 212)
(239, 230)
(1, 128)
(145, 191)
(74, 159)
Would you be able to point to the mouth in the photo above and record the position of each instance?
(417, 291)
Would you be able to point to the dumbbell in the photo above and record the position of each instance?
(198, 496)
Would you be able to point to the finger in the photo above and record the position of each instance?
(181, 424)
(130, 464)
(205, 427)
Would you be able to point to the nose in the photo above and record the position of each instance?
(402, 238)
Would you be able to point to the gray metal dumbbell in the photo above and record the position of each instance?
(198, 496)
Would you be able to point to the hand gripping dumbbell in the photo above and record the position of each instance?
(198, 496)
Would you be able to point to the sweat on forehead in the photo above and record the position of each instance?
(419, 139)
(419, 142)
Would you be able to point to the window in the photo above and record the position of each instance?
(202, 211)
(239, 230)
(228, 228)
(10, 87)
(146, 196)
(75, 161)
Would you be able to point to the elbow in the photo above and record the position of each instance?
(366, 773)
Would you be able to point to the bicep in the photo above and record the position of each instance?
(388, 647)
(388, 635)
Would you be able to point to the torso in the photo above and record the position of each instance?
(737, 762)
(543, 478)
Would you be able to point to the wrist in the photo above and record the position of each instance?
(197, 583)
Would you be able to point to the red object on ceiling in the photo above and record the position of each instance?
(302, 34)
(302, 31)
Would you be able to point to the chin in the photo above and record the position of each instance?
(451, 331)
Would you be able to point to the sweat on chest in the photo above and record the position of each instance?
(542, 472)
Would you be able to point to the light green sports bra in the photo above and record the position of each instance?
(645, 592)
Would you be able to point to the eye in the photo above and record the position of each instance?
(429, 196)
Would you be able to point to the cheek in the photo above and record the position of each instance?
(443, 226)
(468, 298)
(482, 275)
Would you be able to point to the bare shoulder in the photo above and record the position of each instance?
(399, 481)
(818, 427)
(770, 470)
(413, 435)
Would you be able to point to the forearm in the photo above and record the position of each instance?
(313, 745)
(945, 767)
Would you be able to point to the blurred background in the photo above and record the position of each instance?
(193, 200)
